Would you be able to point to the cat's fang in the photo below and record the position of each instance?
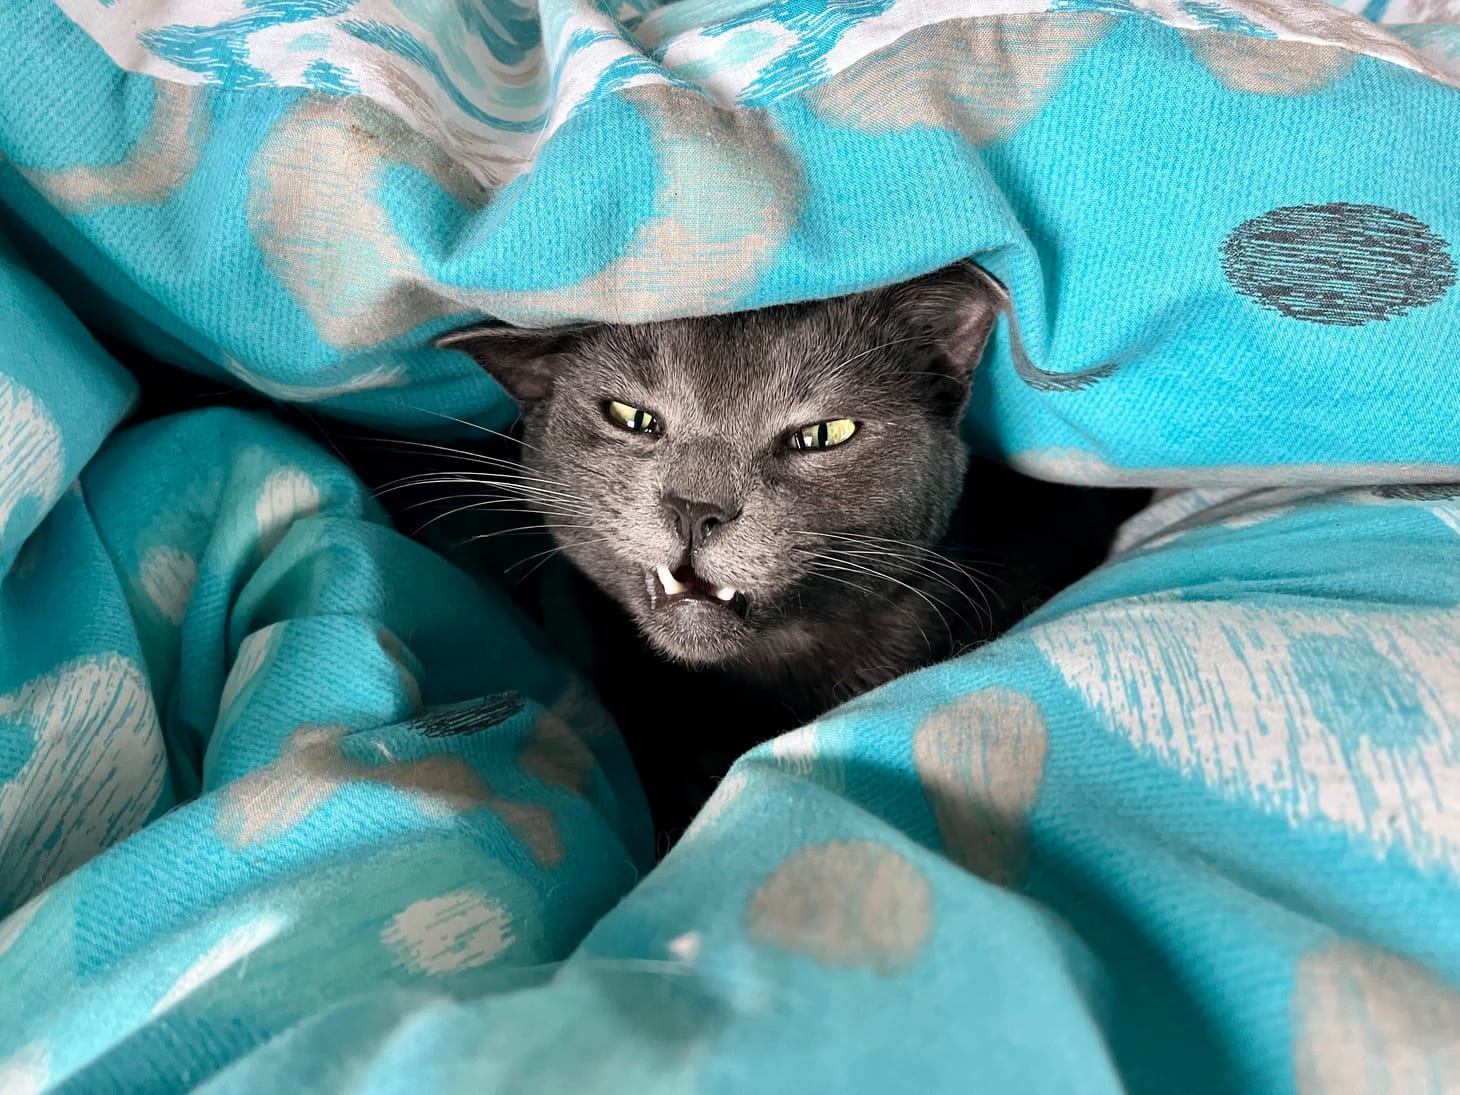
(669, 583)
(682, 586)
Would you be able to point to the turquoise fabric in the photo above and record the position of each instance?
(288, 802)
(1205, 212)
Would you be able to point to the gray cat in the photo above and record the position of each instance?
(762, 492)
(774, 500)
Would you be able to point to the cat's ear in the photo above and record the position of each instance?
(954, 309)
(525, 361)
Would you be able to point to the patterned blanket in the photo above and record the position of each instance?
(289, 803)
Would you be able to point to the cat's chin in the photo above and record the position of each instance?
(694, 630)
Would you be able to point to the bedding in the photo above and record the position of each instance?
(289, 801)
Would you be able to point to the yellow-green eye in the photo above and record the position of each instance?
(823, 435)
(635, 419)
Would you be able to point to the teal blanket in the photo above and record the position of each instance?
(287, 802)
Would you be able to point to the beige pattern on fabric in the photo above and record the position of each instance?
(554, 753)
(268, 802)
(456, 931)
(847, 903)
(727, 198)
(1268, 66)
(1367, 1022)
(156, 167)
(1246, 699)
(980, 760)
(93, 774)
(1079, 466)
(985, 78)
(313, 209)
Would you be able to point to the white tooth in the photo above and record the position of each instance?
(726, 593)
(666, 580)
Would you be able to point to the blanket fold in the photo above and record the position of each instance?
(288, 801)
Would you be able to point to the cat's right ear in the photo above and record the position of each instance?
(524, 360)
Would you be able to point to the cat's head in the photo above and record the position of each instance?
(739, 483)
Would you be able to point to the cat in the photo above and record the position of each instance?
(767, 496)
(732, 481)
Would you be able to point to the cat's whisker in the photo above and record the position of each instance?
(446, 450)
(449, 513)
(542, 133)
(523, 530)
(927, 571)
(545, 504)
(884, 346)
(515, 483)
(843, 581)
(496, 506)
(927, 372)
(929, 574)
(544, 556)
(975, 576)
(865, 538)
(937, 603)
(505, 472)
(509, 495)
(494, 491)
(873, 545)
(873, 572)
(503, 504)
(929, 642)
(486, 502)
(472, 425)
(491, 508)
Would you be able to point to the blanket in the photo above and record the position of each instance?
(287, 801)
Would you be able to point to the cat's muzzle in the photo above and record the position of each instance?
(684, 587)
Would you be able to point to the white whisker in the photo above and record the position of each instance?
(874, 349)
(545, 556)
(873, 572)
(521, 529)
(472, 425)
(488, 504)
(514, 484)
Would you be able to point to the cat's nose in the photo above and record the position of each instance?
(696, 522)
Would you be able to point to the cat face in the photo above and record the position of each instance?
(734, 481)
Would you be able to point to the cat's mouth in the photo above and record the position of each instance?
(684, 586)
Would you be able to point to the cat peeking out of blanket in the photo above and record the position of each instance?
(772, 500)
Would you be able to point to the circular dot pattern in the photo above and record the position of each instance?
(1338, 264)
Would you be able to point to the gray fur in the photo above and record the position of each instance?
(827, 616)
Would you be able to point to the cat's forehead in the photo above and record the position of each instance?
(765, 358)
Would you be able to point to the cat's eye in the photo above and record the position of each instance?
(634, 419)
(823, 435)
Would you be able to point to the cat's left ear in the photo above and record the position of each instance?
(955, 309)
(523, 360)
